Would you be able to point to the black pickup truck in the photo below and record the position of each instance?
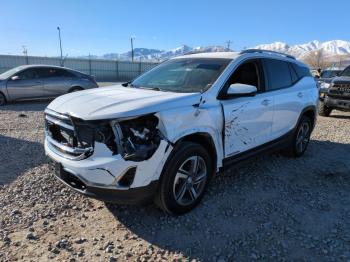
(336, 94)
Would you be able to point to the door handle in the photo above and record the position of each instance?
(300, 94)
(266, 102)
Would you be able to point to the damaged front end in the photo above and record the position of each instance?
(137, 138)
(134, 139)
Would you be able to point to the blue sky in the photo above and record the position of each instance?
(99, 27)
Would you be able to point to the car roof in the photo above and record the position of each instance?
(38, 66)
(22, 67)
(248, 53)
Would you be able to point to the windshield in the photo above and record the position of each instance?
(329, 73)
(188, 75)
(9, 73)
(346, 72)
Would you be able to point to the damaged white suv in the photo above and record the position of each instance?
(165, 134)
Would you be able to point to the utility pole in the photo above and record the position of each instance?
(59, 36)
(25, 53)
(132, 48)
(228, 44)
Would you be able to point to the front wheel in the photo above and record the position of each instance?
(324, 110)
(184, 178)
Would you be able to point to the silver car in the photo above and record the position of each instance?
(41, 81)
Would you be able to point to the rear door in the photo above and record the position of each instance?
(248, 120)
(57, 82)
(25, 84)
(288, 95)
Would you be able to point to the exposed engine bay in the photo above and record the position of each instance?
(139, 137)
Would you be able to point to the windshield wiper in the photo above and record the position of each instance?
(151, 88)
(129, 83)
(155, 88)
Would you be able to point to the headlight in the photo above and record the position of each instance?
(325, 85)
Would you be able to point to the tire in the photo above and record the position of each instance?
(324, 110)
(301, 138)
(180, 192)
(75, 89)
(2, 99)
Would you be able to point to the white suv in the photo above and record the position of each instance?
(165, 134)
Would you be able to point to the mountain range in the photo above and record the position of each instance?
(329, 49)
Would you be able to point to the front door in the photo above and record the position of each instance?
(25, 84)
(248, 120)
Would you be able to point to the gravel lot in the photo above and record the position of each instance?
(274, 208)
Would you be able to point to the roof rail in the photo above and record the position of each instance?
(249, 51)
(197, 51)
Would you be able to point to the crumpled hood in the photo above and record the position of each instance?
(119, 102)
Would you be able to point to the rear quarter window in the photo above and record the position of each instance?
(278, 73)
(301, 71)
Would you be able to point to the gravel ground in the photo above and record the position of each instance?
(273, 208)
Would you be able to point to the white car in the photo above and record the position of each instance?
(164, 135)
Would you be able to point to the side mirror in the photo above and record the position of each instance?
(14, 78)
(241, 90)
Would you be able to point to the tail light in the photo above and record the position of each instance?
(92, 79)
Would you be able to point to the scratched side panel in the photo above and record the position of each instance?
(207, 118)
(247, 123)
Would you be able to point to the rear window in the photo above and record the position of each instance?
(301, 71)
(278, 74)
(293, 74)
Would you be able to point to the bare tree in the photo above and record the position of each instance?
(317, 59)
(342, 60)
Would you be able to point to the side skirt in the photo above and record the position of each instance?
(269, 147)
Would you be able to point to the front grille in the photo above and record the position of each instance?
(63, 137)
(340, 90)
(342, 87)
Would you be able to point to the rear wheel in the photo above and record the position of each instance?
(324, 110)
(184, 179)
(2, 99)
(301, 138)
(75, 89)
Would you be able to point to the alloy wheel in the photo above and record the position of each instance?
(190, 180)
(303, 137)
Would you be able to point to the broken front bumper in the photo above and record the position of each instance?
(130, 196)
(111, 178)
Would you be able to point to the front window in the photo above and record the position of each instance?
(346, 72)
(329, 73)
(188, 75)
(10, 73)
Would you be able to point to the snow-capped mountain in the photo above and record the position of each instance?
(146, 54)
(329, 48)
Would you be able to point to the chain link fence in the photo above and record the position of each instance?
(101, 69)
